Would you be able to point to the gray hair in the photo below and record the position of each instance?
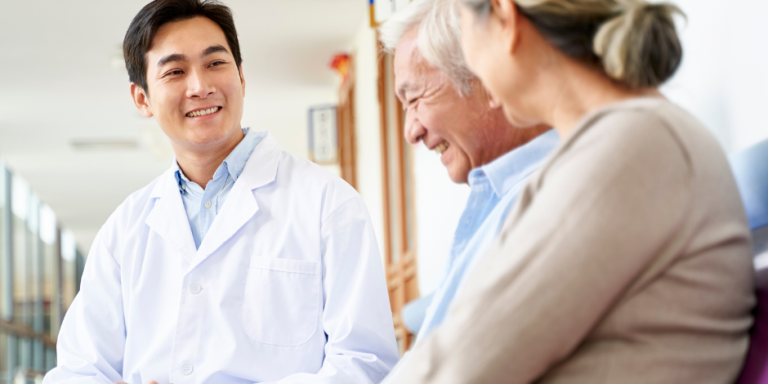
(438, 39)
(634, 41)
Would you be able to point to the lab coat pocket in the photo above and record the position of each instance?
(282, 300)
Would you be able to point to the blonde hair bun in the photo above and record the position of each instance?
(640, 46)
(634, 41)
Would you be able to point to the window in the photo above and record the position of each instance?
(68, 269)
(21, 287)
(39, 277)
(49, 234)
(5, 281)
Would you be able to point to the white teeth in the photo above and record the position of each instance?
(442, 147)
(203, 112)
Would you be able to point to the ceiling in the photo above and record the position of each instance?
(62, 81)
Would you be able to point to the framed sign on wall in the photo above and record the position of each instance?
(323, 135)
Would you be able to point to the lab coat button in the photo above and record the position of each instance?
(207, 204)
(195, 288)
(187, 369)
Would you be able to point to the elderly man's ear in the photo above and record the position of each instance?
(493, 101)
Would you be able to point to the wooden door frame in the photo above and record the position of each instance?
(401, 272)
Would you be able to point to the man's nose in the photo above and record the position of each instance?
(198, 85)
(413, 130)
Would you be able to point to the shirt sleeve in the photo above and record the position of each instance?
(607, 205)
(92, 337)
(357, 318)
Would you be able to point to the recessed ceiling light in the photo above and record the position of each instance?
(104, 145)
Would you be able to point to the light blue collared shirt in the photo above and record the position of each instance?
(494, 188)
(202, 205)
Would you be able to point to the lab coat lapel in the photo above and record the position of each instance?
(241, 205)
(168, 217)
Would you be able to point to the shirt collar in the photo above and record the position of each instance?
(514, 166)
(234, 162)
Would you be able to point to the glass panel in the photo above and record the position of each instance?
(13, 357)
(22, 312)
(5, 238)
(50, 247)
(3, 357)
(68, 268)
(25, 354)
(50, 359)
(36, 353)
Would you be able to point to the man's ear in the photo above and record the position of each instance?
(493, 101)
(141, 100)
(506, 13)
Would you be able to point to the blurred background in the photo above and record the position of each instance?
(73, 146)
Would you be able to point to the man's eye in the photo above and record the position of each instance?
(413, 101)
(216, 63)
(176, 72)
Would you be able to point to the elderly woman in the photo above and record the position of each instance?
(627, 258)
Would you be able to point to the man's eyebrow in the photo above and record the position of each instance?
(171, 58)
(402, 90)
(213, 49)
(180, 57)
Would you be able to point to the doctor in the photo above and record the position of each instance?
(241, 263)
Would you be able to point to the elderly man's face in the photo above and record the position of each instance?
(464, 131)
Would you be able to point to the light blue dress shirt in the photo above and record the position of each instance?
(494, 188)
(202, 205)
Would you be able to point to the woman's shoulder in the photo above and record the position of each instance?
(648, 125)
(638, 137)
(646, 117)
(634, 136)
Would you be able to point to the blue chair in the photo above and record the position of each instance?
(750, 167)
(414, 313)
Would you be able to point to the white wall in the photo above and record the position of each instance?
(283, 111)
(367, 132)
(724, 75)
(439, 204)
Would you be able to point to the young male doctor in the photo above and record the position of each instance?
(241, 263)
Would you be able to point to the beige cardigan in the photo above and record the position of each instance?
(625, 260)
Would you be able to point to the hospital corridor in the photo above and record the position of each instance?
(383, 191)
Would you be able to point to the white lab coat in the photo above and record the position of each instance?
(287, 286)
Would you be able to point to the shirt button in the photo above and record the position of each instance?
(187, 369)
(195, 288)
(207, 204)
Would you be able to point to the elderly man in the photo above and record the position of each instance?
(451, 113)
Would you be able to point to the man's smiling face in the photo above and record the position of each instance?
(433, 108)
(195, 89)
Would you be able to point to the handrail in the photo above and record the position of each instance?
(26, 332)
